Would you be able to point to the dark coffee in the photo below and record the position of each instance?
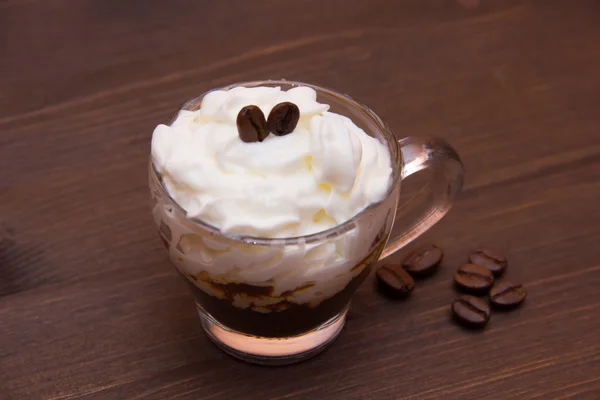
(283, 118)
(423, 261)
(470, 311)
(507, 295)
(285, 318)
(395, 281)
(251, 124)
(490, 259)
(281, 317)
(473, 279)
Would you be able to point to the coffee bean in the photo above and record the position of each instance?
(251, 124)
(283, 118)
(489, 259)
(473, 279)
(395, 281)
(471, 312)
(423, 261)
(507, 295)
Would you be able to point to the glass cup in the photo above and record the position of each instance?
(280, 301)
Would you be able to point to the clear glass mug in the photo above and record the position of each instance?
(280, 301)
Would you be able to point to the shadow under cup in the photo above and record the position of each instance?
(278, 301)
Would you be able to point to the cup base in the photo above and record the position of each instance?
(273, 351)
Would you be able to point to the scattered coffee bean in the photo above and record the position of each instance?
(507, 295)
(489, 259)
(283, 118)
(251, 124)
(476, 278)
(395, 281)
(473, 279)
(423, 261)
(471, 312)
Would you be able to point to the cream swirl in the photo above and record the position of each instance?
(315, 178)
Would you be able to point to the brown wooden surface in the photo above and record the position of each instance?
(90, 307)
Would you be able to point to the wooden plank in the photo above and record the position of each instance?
(90, 307)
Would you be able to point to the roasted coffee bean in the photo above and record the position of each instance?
(489, 259)
(423, 261)
(395, 281)
(251, 124)
(283, 118)
(507, 295)
(471, 312)
(473, 279)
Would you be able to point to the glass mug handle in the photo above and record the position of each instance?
(435, 198)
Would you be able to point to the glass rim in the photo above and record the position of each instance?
(329, 233)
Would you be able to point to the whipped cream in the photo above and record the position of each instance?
(315, 178)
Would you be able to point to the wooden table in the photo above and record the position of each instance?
(90, 307)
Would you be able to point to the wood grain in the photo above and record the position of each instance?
(90, 307)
